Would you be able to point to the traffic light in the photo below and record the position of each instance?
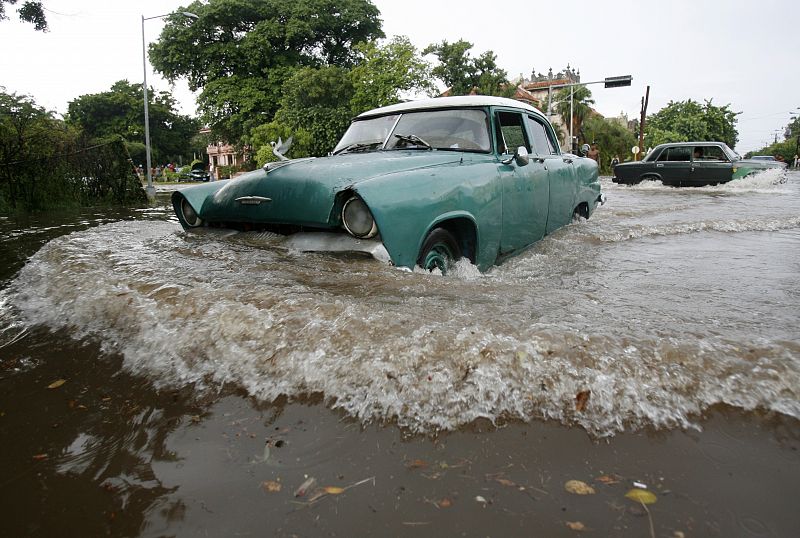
(617, 82)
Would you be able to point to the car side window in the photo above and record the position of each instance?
(678, 154)
(510, 133)
(709, 153)
(542, 143)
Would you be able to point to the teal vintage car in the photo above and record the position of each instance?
(691, 164)
(422, 183)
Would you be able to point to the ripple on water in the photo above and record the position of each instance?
(426, 351)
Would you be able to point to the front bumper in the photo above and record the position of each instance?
(337, 242)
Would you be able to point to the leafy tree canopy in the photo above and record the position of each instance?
(30, 11)
(612, 139)
(686, 121)
(317, 104)
(464, 75)
(239, 54)
(120, 111)
(385, 72)
(45, 163)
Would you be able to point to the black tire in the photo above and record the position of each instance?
(439, 251)
(581, 212)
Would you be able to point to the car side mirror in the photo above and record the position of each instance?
(585, 150)
(520, 157)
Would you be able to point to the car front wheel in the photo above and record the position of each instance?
(439, 251)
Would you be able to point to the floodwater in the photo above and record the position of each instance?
(207, 376)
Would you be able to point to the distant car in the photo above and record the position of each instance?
(199, 172)
(764, 158)
(422, 183)
(691, 164)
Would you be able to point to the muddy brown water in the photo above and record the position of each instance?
(199, 380)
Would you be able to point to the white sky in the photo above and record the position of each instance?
(738, 52)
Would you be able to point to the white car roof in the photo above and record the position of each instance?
(451, 102)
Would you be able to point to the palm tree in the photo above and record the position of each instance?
(581, 99)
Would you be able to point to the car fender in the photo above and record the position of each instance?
(197, 196)
(406, 206)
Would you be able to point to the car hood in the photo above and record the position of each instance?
(302, 192)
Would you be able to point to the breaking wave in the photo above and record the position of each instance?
(424, 351)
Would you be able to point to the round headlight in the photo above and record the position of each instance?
(189, 214)
(357, 219)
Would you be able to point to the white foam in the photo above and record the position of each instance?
(427, 352)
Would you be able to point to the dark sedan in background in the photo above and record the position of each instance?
(690, 164)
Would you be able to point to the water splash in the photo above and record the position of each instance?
(427, 352)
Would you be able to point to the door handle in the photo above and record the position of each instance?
(659, 166)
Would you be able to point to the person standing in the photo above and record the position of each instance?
(796, 161)
(594, 153)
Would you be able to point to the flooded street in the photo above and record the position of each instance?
(159, 383)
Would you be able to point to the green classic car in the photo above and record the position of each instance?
(690, 164)
(418, 183)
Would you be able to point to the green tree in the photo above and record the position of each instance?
(30, 11)
(581, 107)
(385, 72)
(120, 112)
(612, 139)
(318, 104)
(46, 163)
(685, 121)
(239, 54)
(464, 75)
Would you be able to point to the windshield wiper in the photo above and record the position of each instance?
(358, 146)
(413, 139)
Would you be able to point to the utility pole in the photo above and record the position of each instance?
(645, 101)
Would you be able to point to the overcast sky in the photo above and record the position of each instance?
(742, 53)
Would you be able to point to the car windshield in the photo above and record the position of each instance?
(451, 129)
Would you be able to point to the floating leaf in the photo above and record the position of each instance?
(333, 490)
(582, 400)
(578, 488)
(444, 503)
(505, 482)
(417, 464)
(40, 457)
(641, 496)
(271, 486)
(576, 526)
(480, 499)
(56, 384)
(607, 479)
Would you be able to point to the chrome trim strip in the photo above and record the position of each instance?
(252, 200)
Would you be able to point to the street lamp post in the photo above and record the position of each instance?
(151, 190)
(610, 82)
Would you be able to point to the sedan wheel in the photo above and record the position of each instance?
(440, 251)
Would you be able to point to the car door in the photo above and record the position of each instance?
(560, 174)
(525, 188)
(674, 165)
(710, 166)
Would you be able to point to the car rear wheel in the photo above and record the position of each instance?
(439, 251)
